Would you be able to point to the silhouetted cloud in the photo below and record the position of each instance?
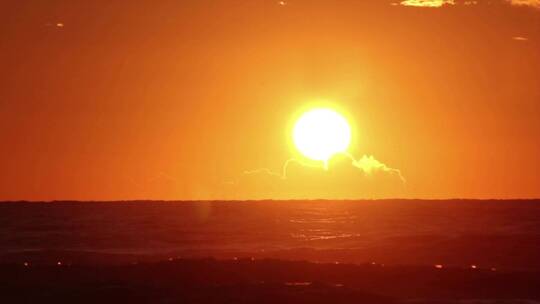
(368, 164)
(346, 177)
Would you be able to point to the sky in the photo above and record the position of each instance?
(188, 100)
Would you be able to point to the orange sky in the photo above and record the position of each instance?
(178, 99)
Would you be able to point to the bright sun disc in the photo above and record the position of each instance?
(320, 133)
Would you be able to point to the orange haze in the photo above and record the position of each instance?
(178, 99)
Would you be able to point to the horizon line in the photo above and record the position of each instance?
(263, 200)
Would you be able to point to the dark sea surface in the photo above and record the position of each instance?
(489, 234)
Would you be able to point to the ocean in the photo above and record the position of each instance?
(490, 234)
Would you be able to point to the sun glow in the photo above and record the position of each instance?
(320, 133)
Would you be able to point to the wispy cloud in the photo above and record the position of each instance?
(427, 3)
(519, 38)
(344, 177)
(283, 173)
(440, 3)
(369, 165)
(530, 3)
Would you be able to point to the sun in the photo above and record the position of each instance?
(320, 133)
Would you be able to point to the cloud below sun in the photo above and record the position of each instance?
(323, 167)
(367, 177)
